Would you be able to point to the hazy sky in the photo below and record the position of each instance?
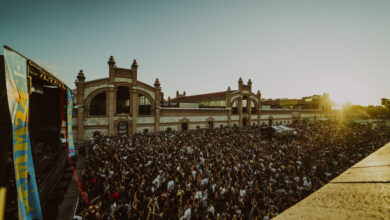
(288, 49)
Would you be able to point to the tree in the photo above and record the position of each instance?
(386, 105)
(381, 111)
(378, 112)
(386, 102)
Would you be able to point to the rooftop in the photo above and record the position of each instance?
(201, 96)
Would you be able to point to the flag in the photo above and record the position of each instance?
(71, 150)
(29, 206)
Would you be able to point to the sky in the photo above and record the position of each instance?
(289, 49)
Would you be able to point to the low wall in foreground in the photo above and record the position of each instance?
(361, 192)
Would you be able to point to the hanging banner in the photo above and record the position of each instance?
(18, 102)
(71, 151)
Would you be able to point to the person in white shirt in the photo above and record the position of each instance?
(242, 193)
(170, 185)
(156, 181)
(194, 174)
(211, 209)
(204, 182)
(187, 213)
(306, 183)
(199, 194)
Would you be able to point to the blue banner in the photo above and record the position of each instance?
(71, 151)
(18, 103)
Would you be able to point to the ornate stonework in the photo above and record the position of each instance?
(112, 105)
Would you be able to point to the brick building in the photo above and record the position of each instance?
(120, 104)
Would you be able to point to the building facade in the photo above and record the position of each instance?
(120, 104)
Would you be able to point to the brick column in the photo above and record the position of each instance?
(240, 85)
(111, 109)
(130, 122)
(134, 110)
(80, 124)
(157, 120)
(80, 106)
(249, 103)
(259, 107)
(229, 106)
(249, 109)
(157, 106)
(111, 96)
(240, 109)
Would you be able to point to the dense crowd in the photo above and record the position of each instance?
(223, 173)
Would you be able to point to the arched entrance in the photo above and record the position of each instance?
(122, 100)
(183, 123)
(184, 126)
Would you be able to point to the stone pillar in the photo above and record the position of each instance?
(134, 98)
(111, 109)
(80, 106)
(240, 84)
(249, 110)
(111, 69)
(130, 122)
(134, 109)
(111, 96)
(157, 107)
(80, 124)
(259, 107)
(249, 103)
(229, 106)
(240, 109)
(134, 69)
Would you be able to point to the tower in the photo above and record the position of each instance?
(134, 69)
(111, 95)
(240, 83)
(158, 103)
(111, 69)
(258, 106)
(80, 105)
(250, 85)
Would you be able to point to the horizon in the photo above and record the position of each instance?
(288, 49)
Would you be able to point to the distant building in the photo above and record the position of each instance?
(120, 104)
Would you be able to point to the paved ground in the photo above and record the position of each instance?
(361, 192)
(68, 205)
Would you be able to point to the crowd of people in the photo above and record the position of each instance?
(222, 173)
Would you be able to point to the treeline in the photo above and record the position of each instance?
(369, 112)
(381, 111)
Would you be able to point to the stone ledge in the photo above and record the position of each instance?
(380, 157)
(343, 201)
(361, 192)
(365, 174)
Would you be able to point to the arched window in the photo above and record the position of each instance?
(245, 104)
(144, 106)
(235, 108)
(123, 100)
(253, 107)
(98, 105)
